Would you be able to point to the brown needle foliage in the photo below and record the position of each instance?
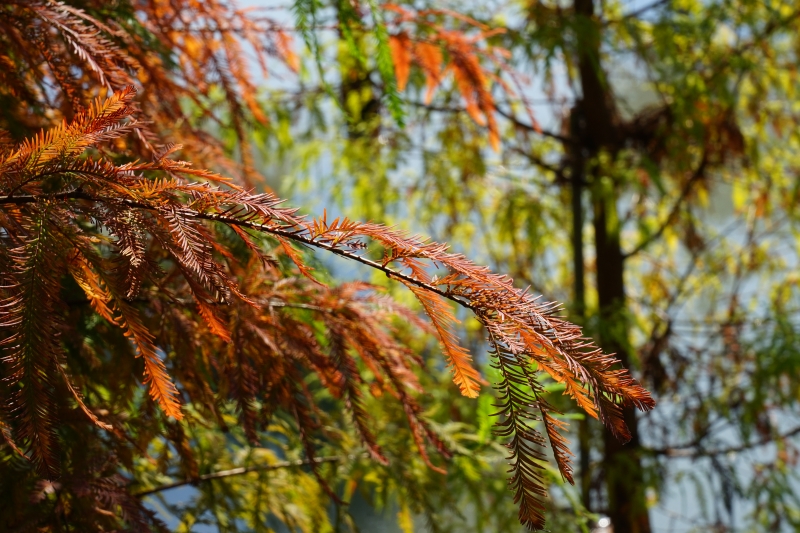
(151, 246)
(56, 58)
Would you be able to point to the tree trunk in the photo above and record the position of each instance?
(622, 463)
(577, 181)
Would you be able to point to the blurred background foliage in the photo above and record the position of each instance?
(665, 131)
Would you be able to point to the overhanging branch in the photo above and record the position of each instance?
(286, 231)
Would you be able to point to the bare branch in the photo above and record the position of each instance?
(545, 133)
(686, 450)
(638, 12)
(673, 212)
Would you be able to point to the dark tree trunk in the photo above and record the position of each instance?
(577, 167)
(622, 465)
(622, 462)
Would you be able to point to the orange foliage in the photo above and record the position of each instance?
(181, 216)
(463, 56)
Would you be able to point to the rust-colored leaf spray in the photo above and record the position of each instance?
(67, 210)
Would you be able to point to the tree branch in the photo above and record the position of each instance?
(246, 470)
(637, 12)
(517, 122)
(276, 303)
(536, 160)
(687, 188)
(288, 232)
(685, 450)
(507, 114)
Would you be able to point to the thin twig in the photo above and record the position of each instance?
(685, 450)
(539, 162)
(508, 115)
(638, 12)
(545, 133)
(246, 470)
(276, 303)
(687, 188)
